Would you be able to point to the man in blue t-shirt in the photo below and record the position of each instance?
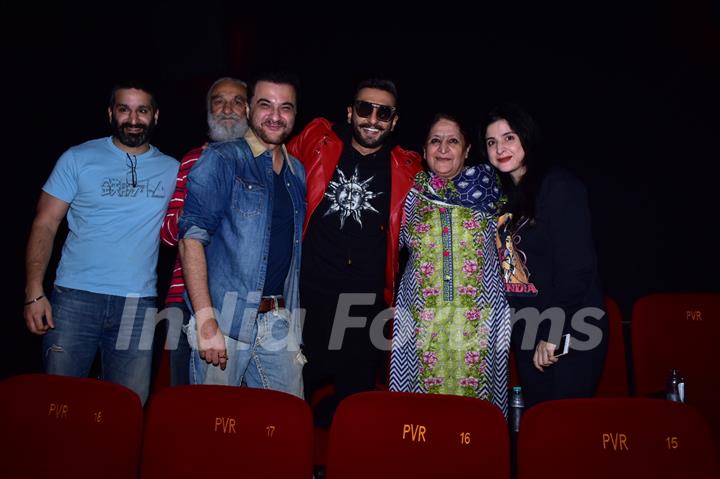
(114, 192)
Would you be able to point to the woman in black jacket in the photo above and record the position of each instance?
(548, 263)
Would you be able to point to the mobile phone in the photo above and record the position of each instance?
(564, 346)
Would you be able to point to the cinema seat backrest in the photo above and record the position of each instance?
(61, 426)
(390, 434)
(224, 431)
(614, 377)
(615, 437)
(679, 330)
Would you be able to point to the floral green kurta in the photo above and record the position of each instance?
(452, 325)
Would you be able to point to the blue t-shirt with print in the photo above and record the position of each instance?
(114, 218)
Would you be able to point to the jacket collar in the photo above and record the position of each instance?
(258, 149)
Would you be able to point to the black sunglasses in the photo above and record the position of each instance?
(364, 109)
(132, 163)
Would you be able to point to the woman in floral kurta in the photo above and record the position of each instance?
(452, 324)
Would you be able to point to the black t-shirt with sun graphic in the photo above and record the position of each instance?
(344, 249)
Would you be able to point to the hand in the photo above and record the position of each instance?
(544, 355)
(211, 343)
(35, 312)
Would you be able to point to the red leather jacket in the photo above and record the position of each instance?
(319, 148)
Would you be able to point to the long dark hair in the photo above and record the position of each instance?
(521, 197)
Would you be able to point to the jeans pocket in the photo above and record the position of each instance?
(274, 330)
(190, 330)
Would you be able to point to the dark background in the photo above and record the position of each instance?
(627, 95)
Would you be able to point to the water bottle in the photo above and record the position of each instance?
(517, 404)
(675, 387)
(681, 389)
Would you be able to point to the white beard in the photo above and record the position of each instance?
(217, 131)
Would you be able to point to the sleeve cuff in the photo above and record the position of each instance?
(198, 234)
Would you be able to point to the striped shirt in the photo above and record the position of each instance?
(169, 229)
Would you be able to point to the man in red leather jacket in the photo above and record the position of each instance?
(357, 181)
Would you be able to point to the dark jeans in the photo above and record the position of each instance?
(177, 342)
(575, 375)
(118, 327)
(352, 368)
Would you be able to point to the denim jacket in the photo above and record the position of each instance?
(228, 209)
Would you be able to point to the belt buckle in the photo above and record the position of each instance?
(274, 303)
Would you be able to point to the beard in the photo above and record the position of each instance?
(132, 140)
(274, 137)
(218, 130)
(367, 142)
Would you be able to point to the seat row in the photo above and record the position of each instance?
(667, 330)
(57, 426)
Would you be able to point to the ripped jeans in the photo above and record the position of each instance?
(119, 327)
(273, 361)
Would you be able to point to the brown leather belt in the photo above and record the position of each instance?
(268, 303)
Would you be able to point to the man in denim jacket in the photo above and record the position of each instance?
(241, 231)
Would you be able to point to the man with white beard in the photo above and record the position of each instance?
(227, 120)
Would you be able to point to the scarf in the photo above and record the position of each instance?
(476, 187)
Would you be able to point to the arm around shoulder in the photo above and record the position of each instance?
(301, 146)
(170, 228)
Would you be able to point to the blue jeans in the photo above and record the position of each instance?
(122, 329)
(176, 342)
(180, 348)
(272, 361)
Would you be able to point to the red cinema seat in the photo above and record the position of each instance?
(614, 377)
(680, 331)
(225, 431)
(61, 426)
(598, 438)
(384, 434)
(162, 378)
